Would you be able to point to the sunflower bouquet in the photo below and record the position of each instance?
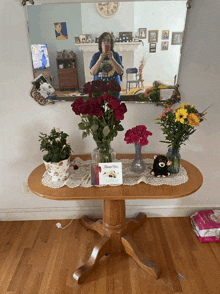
(177, 125)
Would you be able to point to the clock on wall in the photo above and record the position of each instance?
(107, 9)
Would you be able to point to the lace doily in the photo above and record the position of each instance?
(129, 178)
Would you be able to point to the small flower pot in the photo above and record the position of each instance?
(58, 171)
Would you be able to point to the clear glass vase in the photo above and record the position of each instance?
(103, 152)
(174, 156)
(138, 165)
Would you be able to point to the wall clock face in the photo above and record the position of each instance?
(107, 9)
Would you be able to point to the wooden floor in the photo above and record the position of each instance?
(37, 257)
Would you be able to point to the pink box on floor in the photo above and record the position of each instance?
(206, 225)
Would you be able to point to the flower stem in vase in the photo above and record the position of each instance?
(103, 152)
(138, 165)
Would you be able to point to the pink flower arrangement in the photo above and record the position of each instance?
(137, 135)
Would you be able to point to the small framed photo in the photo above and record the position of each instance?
(153, 36)
(165, 34)
(164, 45)
(135, 40)
(126, 35)
(88, 38)
(177, 38)
(142, 33)
(82, 38)
(152, 48)
(77, 40)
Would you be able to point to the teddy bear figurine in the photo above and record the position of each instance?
(160, 166)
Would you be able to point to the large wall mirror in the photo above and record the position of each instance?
(63, 38)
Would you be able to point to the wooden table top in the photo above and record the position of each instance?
(122, 192)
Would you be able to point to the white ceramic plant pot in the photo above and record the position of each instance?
(58, 171)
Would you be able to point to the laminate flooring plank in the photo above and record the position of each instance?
(38, 258)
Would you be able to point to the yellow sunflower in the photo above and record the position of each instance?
(193, 120)
(182, 105)
(181, 114)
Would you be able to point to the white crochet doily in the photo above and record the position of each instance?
(129, 178)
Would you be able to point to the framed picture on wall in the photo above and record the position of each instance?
(60, 30)
(177, 38)
(142, 33)
(153, 36)
(82, 38)
(152, 48)
(164, 45)
(165, 34)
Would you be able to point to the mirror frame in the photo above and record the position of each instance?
(176, 97)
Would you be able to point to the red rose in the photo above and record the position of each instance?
(114, 87)
(98, 83)
(103, 88)
(120, 111)
(107, 97)
(100, 99)
(113, 103)
(76, 105)
(93, 108)
(89, 89)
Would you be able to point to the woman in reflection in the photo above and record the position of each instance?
(106, 64)
(58, 31)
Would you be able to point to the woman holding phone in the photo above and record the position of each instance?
(106, 64)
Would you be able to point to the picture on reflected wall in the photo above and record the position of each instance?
(153, 36)
(164, 45)
(152, 48)
(142, 33)
(165, 34)
(177, 38)
(61, 31)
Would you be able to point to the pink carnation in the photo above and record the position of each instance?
(137, 134)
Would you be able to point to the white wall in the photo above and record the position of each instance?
(22, 119)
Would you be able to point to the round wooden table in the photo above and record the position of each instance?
(114, 227)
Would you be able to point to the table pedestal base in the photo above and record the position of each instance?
(115, 230)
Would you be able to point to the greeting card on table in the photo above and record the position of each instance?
(106, 173)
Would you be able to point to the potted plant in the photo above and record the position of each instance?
(57, 158)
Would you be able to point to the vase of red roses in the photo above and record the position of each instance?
(101, 116)
(139, 136)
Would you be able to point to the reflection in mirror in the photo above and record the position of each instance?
(63, 38)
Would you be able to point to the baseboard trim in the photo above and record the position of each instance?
(42, 213)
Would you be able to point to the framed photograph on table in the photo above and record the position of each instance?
(177, 38)
(153, 36)
(152, 48)
(142, 33)
(164, 45)
(165, 34)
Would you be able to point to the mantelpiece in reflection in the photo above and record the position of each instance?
(125, 50)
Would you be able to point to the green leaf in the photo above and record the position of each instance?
(81, 126)
(94, 127)
(106, 131)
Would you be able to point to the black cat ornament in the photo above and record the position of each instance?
(160, 166)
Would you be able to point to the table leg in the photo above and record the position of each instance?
(114, 230)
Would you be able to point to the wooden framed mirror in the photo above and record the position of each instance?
(67, 56)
